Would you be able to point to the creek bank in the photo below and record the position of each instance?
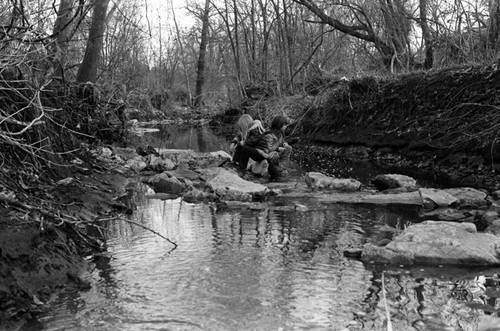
(106, 188)
(443, 122)
(48, 235)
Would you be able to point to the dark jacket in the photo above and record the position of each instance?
(257, 140)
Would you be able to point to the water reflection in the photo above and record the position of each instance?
(267, 269)
(198, 138)
(233, 270)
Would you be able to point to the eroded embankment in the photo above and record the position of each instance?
(444, 121)
(44, 234)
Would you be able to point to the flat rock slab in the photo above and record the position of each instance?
(439, 197)
(435, 243)
(230, 186)
(468, 196)
(298, 191)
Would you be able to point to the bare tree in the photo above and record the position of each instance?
(364, 30)
(88, 68)
(494, 25)
(200, 79)
(426, 36)
(67, 12)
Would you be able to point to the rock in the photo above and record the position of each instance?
(384, 242)
(345, 184)
(163, 183)
(494, 228)
(148, 150)
(496, 194)
(469, 197)
(437, 243)
(489, 217)
(316, 180)
(66, 181)
(221, 154)
(230, 186)
(391, 181)
(258, 168)
(408, 198)
(106, 152)
(196, 195)
(353, 252)
(209, 160)
(376, 254)
(158, 163)
(445, 214)
(438, 197)
(137, 164)
(210, 173)
(184, 174)
(125, 153)
(178, 156)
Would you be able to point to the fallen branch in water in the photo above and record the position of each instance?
(387, 312)
(142, 226)
(62, 218)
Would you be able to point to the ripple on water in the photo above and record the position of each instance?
(268, 269)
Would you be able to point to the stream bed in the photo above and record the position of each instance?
(277, 267)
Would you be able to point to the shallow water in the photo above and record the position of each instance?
(276, 266)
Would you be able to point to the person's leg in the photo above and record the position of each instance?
(276, 167)
(237, 154)
(285, 156)
(275, 170)
(248, 152)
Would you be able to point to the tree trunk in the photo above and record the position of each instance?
(494, 26)
(88, 68)
(61, 32)
(200, 78)
(183, 59)
(426, 36)
(237, 56)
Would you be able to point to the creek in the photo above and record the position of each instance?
(278, 267)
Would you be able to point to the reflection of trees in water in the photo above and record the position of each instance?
(290, 264)
(197, 138)
(436, 301)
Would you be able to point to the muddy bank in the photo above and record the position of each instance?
(46, 233)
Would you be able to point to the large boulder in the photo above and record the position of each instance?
(229, 186)
(394, 181)
(436, 243)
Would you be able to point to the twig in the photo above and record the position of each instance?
(62, 219)
(142, 226)
(387, 312)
